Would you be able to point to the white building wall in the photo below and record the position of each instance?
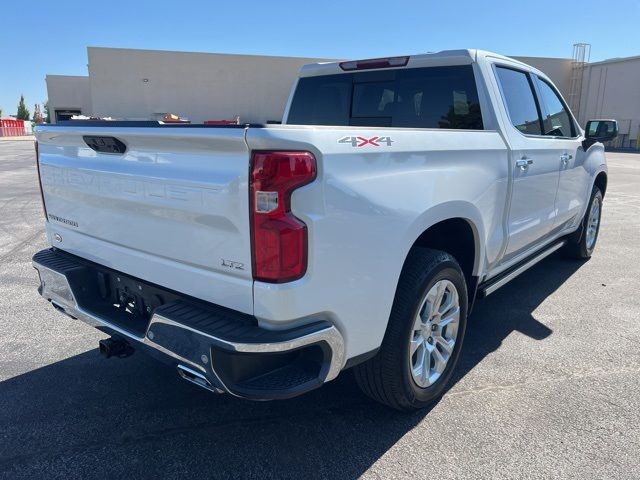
(68, 92)
(611, 89)
(143, 84)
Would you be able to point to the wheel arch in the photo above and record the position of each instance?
(601, 182)
(458, 230)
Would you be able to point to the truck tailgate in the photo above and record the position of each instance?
(171, 210)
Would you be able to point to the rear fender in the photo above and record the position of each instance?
(447, 211)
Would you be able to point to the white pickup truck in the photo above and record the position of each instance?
(262, 260)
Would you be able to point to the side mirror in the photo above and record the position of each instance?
(600, 131)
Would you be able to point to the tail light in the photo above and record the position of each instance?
(279, 239)
(44, 207)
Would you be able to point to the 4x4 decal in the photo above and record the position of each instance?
(363, 141)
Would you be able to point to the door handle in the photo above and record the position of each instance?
(523, 163)
(565, 157)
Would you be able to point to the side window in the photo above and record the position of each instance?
(555, 118)
(520, 101)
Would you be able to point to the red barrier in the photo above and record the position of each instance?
(11, 128)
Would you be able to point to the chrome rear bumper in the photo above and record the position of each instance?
(204, 343)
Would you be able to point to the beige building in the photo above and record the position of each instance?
(611, 89)
(147, 84)
(68, 95)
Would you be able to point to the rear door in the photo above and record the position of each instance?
(534, 162)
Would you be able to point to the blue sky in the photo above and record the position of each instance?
(344, 29)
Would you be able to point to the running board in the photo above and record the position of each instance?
(494, 284)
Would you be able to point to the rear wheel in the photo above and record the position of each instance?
(424, 336)
(583, 242)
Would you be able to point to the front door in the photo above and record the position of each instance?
(561, 129)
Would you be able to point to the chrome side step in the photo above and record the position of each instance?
(494, 284)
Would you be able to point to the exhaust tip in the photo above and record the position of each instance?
(197, 378)
(112, 347)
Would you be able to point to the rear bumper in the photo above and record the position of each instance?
(214, 347)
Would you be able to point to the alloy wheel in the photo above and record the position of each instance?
(434, 333)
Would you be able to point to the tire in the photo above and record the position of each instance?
(582, 244)
(393, 377)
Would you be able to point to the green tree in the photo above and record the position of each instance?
(47, 118)
(23, 111)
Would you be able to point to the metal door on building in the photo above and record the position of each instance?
(66, 114)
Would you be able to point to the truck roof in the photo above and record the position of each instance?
(442, 58)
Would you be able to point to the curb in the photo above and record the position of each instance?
(24, 138)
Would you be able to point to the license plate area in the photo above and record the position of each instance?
(127, 295)
(121, 300)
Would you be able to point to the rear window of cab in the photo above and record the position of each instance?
(432, 97)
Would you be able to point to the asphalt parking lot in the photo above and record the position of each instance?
(548, 385)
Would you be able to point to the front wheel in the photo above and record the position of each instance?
(583, 243)
(424, 336)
